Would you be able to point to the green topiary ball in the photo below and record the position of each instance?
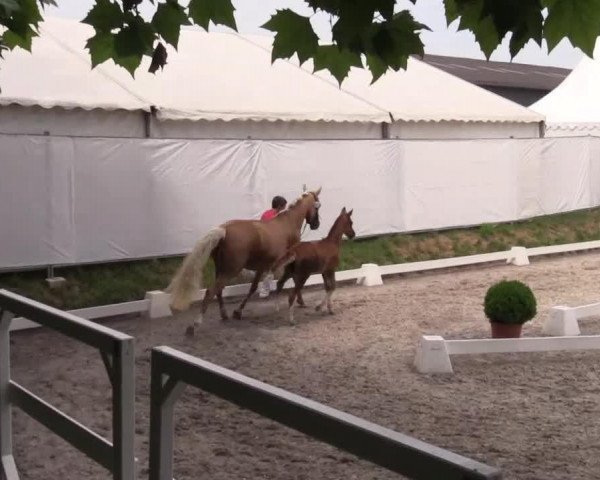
(510, 301)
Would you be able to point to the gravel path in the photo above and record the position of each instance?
(536, 416)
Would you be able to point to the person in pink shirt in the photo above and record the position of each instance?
(278, 204)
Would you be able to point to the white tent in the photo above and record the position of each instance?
(573, 108)
(222, 85)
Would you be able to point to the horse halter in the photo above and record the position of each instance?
(315, 222)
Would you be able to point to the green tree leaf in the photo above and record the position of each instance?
(376, 66)
(131, 4)
(338, 62)
(577, 20)
(105, 16)
(132, 43)
(354, 20)
(294, 34)
(491, 20)
(101, 47)
(23, 23)
(11, 39)
(8, 6)
(167, 21)
(219, 12)
(159, 58)
(367, 28)
(530, 29)
(43, 3)
(394, 41)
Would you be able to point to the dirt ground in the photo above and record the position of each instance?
(535, 416)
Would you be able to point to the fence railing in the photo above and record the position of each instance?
(172, 370)
(117, 352)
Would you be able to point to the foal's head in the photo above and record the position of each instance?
(346, 223)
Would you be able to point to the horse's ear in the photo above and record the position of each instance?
(350, 212)
(304, 188)
(318, 192)
(344, 211)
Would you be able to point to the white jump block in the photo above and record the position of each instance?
(433, 352)
(432, 355)
(159, 304)
(371, 275)
(56, 282)
(562, 322)
(518, 256)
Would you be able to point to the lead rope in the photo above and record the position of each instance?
(303, 229)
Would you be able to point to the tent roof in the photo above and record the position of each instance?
(226, 76)
(577, 99)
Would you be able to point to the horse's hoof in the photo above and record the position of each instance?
(302, 305)
(189, 331)
(237, 315)
(224, 318)
(318, 308)
(331, 312)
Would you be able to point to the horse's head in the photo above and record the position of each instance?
(312, 212)
(346, 219)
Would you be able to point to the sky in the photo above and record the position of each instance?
(442, 40)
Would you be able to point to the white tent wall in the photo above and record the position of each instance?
(573, 130)
(76, 122)
(266, 130)
(454, 183)
(76, 200)
(462, 130)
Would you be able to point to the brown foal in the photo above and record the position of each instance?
(307, 258)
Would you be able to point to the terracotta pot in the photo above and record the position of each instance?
(506, 330)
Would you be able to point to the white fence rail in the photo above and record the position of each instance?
(156, 303)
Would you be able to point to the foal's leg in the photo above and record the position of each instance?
(237, 314)
(331, 288)
(329, 281)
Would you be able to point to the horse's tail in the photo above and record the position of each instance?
(189, 276)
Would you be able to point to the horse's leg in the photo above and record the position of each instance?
(237, 314)
(219, 292)
(299, 281)
(300, 300)
(208, 296)
(285, 276)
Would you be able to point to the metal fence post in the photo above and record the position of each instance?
(8, 468)
(123, 379)
(162, 403)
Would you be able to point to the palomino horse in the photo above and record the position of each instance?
(239, 244)
(307, 258)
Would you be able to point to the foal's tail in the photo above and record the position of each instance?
(189, 276)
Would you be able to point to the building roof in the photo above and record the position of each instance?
(500, 74)
(226, 76)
